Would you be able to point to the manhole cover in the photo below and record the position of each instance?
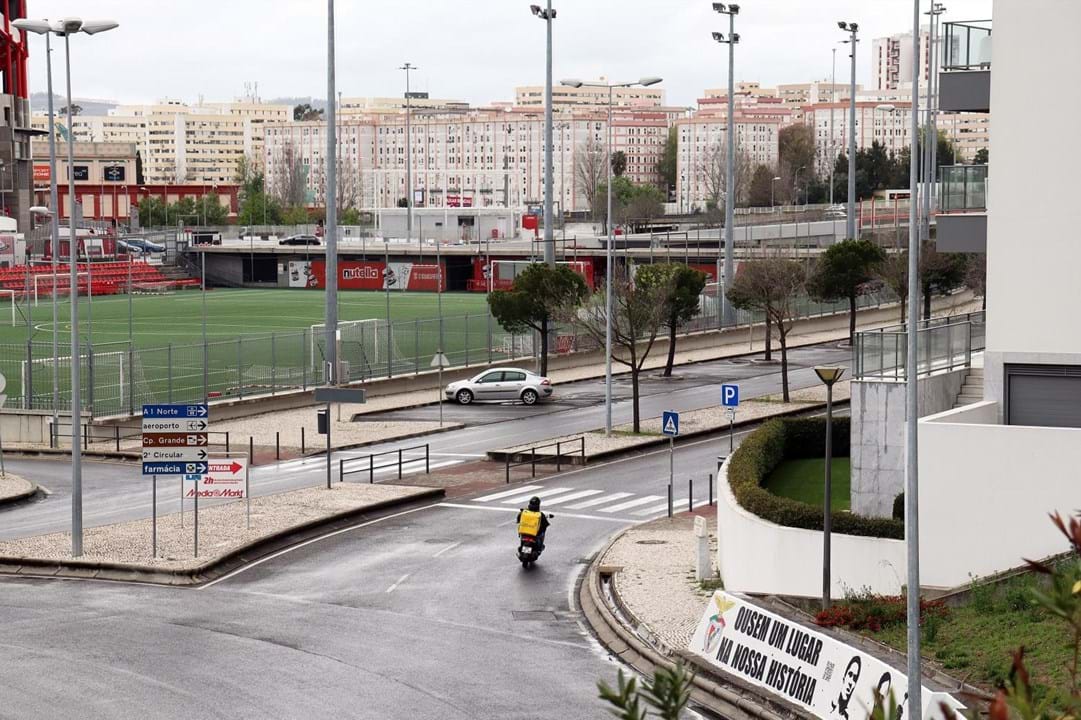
(533, 614)
(651, 542)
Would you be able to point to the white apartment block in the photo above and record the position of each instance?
(891, 59)
(532, 96)
(478, 158)
(301, 147)
(702, 144)
(875, 122)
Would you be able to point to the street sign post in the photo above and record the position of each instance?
(670, 427)
(330, 395)
(174, 442)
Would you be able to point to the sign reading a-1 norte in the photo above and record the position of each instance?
(174, 439)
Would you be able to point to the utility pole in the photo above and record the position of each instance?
(548, 15)
(408, 67)
(331, 200)
(850, 224)
(727, 315)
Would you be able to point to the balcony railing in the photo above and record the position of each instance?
(967, 45)
(962, 188)
(944, 344)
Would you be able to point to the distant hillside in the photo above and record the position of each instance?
(40, 101)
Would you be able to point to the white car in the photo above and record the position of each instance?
(501, 384)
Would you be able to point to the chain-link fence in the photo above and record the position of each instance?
(117, 379)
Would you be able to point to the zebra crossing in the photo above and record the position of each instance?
(602, 502)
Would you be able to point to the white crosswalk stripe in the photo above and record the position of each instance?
(538, 493)
(631, 503)
(573, 496)
(600, 501)
(506, 493)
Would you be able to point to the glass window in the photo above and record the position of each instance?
(513, 376)
(492, 377)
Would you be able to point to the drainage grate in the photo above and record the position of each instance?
(651, 542)
(533, 614)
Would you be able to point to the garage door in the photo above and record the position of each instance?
(1043, 395)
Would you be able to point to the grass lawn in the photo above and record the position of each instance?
(976, 640)
(804, 480)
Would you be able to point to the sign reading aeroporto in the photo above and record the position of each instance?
(815, 672)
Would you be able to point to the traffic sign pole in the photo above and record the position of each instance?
(154, 524)
(196, 518)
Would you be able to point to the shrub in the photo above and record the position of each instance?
(875, 612)
(765, 448)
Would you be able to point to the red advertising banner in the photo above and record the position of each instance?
(41, 172)
(362, 275)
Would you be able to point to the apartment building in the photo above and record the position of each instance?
(701, 156)
(532, 96)
(104, 175)
(887, 125)
(483, 157)
(891, 59)
(295, 160)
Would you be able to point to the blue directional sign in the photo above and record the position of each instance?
(670, 423)
(175, 411)
(175, 468)
(730, 395)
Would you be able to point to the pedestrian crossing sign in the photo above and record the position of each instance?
(670, 423)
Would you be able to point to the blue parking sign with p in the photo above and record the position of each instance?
(670, 423)
(730, 395)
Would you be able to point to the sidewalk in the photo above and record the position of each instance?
(15, 489)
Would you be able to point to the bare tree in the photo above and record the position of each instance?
(772, 284)
(590, 171)
(715, 174)
(348, 190)
(639, 312)
(893, 272)
(289, 183)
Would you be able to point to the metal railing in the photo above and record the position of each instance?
(945, 344)
(367, 463)
(531, 458)
(967, 45)
(963, 187)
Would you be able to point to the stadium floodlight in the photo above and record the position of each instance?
(66, 28)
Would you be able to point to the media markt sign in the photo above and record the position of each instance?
(815, 672)
(226, 478)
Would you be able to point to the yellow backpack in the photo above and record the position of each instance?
(530, 523)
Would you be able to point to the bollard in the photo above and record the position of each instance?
(251, 450)
(226, 441)
(116, 432)
(371, 469)
(669, 499)
(558, 450)
(277, 445)
(427, 463)
(533, 460)
(301, 439)
(711, 489)
(690, 494)
(703, 565)
(341, 469)
(399, 463)
(508, 467)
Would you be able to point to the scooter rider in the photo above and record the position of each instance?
(530, 520)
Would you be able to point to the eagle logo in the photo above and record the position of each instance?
(716, 622)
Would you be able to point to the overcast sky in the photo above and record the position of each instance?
(472, 50)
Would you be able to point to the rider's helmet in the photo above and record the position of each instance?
(534, 504)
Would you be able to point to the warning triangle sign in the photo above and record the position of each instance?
(670, 425)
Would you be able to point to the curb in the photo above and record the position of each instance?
(133, 456)
(502, 455)
(212, 569)
(24, 496)
(726, 697)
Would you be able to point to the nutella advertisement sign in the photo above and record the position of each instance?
(364, 275)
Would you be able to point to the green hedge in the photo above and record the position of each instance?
(781, 439)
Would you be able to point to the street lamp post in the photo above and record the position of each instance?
(408, 67)
(850, 224)
(772, 202)
(726, 317)
(547, 15)
(644, 82)
(829, 376)
(66, 28)
(331, 200)
(833, 99)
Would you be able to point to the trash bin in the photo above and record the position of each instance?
(322, 420)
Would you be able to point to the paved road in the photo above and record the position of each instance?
(424, 614)
(115, 492)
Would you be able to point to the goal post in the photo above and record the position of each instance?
(362, 344)
(10, 295)
(63, 282)
(118, 379)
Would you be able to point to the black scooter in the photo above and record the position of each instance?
(529, 548)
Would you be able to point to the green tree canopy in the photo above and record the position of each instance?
(843, 272)
(540, 296)
(667, 167)
(619, 163)
(681, 287)
(761, 192)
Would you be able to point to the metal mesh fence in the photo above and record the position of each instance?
(116, 379)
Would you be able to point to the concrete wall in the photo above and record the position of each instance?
(756, 556)
(1032, 250)
(986, 490)
(878, 435)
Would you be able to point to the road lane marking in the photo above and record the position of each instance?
(631, 503)
(394, 587)
(472, 455)
(663, 507)
(510, 509)
(447, 548)
(600, 501)
(506, 493)
(573, 496)
(539, 494)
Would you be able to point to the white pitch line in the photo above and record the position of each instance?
(448, 548)
(539, 494)
(506, 493)
(600, 501)
(573, 496)
(631, 503)
(394, 587)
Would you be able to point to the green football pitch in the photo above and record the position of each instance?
(177, 318)
(258, 341)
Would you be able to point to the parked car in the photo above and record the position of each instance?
(501, 384)
(832, 214)
(301, 240)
